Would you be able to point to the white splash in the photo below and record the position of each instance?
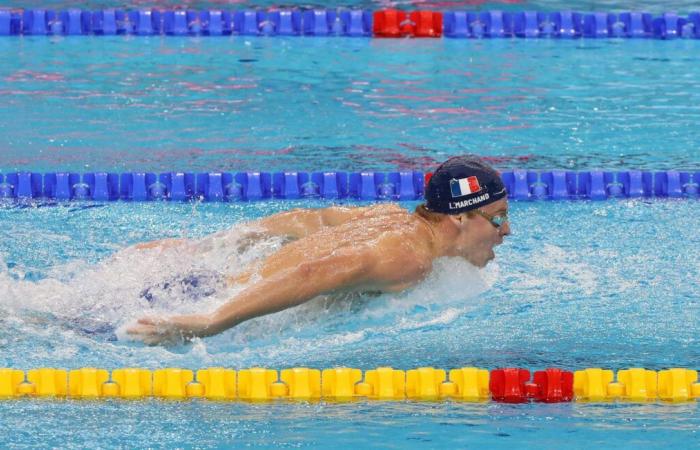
(112, 290)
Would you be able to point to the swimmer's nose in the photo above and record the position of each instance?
(505, 229)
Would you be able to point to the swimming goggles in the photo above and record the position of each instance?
(496, 220)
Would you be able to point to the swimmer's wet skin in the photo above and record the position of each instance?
(379, 248)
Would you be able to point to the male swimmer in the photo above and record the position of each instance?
(339, 249)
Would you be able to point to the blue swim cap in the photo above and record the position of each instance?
(463, 183)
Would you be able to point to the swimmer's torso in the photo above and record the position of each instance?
(395, 240)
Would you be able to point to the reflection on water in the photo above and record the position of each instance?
(190, 105)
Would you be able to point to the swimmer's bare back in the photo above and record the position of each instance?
(293, 224)
(385, 233)
(379, 248)
(304, 223)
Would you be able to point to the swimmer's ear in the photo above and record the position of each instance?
(457, 219)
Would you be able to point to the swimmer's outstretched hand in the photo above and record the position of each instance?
(173, 330)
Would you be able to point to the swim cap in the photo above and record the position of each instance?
(463, 183)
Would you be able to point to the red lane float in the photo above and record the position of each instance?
(508, 385)
(387, 23)
(427, 23)
(553, 386)
(512, 385)
(393, 23)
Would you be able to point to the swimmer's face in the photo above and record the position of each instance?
(478, 236)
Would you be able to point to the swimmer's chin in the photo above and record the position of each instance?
(485, 262)
(482, 263)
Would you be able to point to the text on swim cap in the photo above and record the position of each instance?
(470, 201)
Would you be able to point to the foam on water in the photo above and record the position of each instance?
(91, 298)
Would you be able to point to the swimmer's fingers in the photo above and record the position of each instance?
(149, 321)
(154, 331)
(144, 330)
(157, 340)
(141, 330)
(176, 329)
(151, 336)
(145, 325)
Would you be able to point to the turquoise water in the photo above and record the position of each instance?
(402, 425)
(164, 104)
(578, 284)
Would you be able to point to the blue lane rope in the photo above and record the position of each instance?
(346, 22)
(245, 186)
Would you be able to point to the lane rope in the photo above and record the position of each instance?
(508, 385)
(385, 23)
(409, 185)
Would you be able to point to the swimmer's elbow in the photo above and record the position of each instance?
(304, 272)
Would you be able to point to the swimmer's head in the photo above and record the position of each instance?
(461, 184)
(467, 201)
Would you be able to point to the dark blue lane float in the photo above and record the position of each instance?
(149, 22)
(246, 186)
(349, 22)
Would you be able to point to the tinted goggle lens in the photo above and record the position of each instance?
(499, 220)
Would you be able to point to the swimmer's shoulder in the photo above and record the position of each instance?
(407, 244)
(382, 210)
(402, 267)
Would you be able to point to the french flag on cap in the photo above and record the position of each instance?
(464, 186)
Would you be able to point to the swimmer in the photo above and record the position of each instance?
(381, 248)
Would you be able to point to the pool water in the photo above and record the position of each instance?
(167, 103)
(578, 284)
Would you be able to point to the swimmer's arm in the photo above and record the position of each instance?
(298, 223)
(272, 294)
(289, 289)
